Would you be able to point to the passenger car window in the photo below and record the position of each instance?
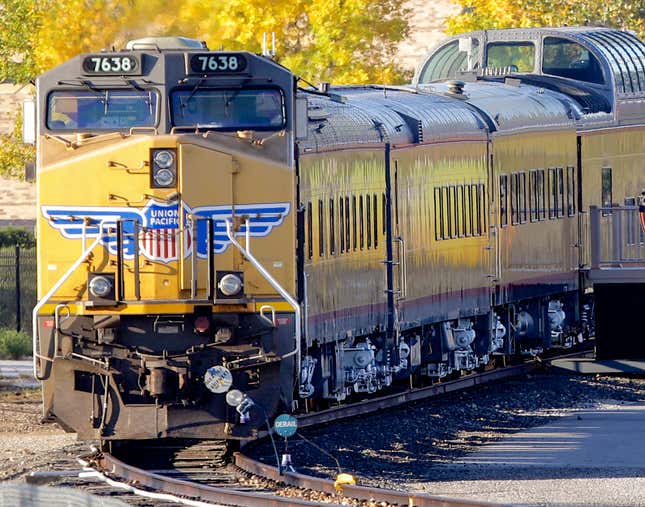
(565, 58)
(519, 56)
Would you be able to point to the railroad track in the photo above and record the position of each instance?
(196, 473)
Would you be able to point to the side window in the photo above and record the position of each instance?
(503, 200)
(571, 191)
(347, 222)
(522, 197)
(321, 228)
(332, 228)
(452, 226)
(438, 213)
(533, 207)
(482, 222)
(560, 195)
(515, 212)
(341, 224)
(445, 212)
(541, 195)
(553, 193)
(354, 234)
(566, 58)
(310, 246)
(375, 214)
(368, 216)
(361, 222)
(607, 197)
(468, 210)
(459, 208)
(383, 208)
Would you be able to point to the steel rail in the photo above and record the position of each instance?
(362, 493)
(108, 464)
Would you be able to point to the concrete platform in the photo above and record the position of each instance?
(590, 458)
(13, 369)
(600, 366)
(17, 373)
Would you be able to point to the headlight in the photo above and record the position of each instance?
(164, 177)
(234, 397)
(164, 159)
(163, 169)
(100, 286)
(230, 285)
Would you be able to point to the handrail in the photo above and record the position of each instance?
(35, 342)
(617, 237)
(274, 283)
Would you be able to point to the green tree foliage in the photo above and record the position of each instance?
(19, 20)
(490, 14)
(350, 41)
(13, 153)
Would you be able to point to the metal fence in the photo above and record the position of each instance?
(17, 287)
(617, 237)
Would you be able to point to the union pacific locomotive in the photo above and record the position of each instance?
(217, 245)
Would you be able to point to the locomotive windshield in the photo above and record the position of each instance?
(101, 109)
(228, 109)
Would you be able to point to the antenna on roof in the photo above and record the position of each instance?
(265, 48)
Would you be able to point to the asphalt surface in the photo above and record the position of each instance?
(594, 457)
(17, 373)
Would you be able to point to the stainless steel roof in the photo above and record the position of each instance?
(353, 116)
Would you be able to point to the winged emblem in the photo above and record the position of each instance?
(262, 219)
(158, 226)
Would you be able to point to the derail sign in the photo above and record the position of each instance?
(285, 425)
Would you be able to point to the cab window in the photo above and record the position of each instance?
(565, 58)
(228, 108)
(517, 56)
(101, 109)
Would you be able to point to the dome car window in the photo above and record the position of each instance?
(444, 63)
(518, 56)
(566, 58)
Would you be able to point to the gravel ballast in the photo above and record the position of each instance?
(415, 446)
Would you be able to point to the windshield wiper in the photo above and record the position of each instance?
(85, 83)
(184, 104)
(132, 83)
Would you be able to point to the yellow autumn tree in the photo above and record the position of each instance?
(348, 41)
(490, 14)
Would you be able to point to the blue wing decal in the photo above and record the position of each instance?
(159, 226)
(262, 219)
(69, 221)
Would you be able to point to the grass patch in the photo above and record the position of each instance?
(14, 344)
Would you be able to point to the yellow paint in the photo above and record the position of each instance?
(113, 171)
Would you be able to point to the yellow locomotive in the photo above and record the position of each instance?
(217, 245)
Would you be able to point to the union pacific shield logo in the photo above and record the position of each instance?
(159, 239)
(159, 226)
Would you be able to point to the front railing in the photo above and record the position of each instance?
(617, 237)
